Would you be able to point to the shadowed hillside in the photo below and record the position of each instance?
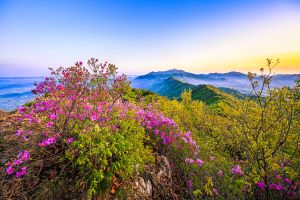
(211, 95)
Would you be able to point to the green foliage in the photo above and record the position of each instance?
(234, 93)
(211, 95)
(171, 87)
(102, 154)
(261, 134)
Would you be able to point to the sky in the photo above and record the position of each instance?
(142, 36)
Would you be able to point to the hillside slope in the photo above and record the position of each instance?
(211, 95)
(171, 87)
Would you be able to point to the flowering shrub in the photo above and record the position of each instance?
(82, 121)
(232, 152)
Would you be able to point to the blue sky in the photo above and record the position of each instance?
(141, 36)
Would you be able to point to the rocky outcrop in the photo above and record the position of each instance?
(156, 182)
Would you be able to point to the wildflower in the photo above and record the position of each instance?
(22, 172)
(169, 140)
(190, 183)
(272, 186)
(93, 117)
(212, 158)
(200, 162)
(19, 132)
(9, 170)
(189, 161)
(52, 116)
(287, 180)
(70, 140)
(261, 185)
(156, 131)
(47, 142)
(215, 191)
(278, 177)
(237, 170)
(17, 162)
(278, 187)
(49, 124)
(25, 155)
(88, 107)
(60, 86)
(184, 139)
(21, 109)
(220, 173)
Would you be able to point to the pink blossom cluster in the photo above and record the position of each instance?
(15, 165)
(47, 142)
(282, 185)
(192, 161)
(157, 122)
(237, 170)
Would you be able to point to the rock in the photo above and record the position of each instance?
(144, 187)
(165, 169)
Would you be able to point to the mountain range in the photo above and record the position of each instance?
(210, 88)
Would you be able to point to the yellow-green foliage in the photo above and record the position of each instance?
(101, 154)
(261, 134)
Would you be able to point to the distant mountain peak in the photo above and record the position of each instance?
(175, 70)
(228, 74)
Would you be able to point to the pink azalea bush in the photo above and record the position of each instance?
(82, 120)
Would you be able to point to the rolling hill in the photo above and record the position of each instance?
(211, 95)
(172, 88)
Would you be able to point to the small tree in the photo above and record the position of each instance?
(265, 135)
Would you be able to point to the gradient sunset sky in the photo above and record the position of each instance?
(141, 36)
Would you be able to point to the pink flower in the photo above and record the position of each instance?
(52, 116)
(261, 185)
(278, 177)
(21, 109)
(9, 170)
(93, 117)
(237, 170)
(278, 187)
(60, 87)
(22, 172)
(190, 183)
(70, 140)
(189, 160)
(184, 139)
(287, 180)
(220, 173)
(19, 132)
(156, 131)
(17, 162)
(88, 107)
(49, 124)
(212, 158)
(47, 142)
(25, 155)
(215, 191)
(200, 162)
